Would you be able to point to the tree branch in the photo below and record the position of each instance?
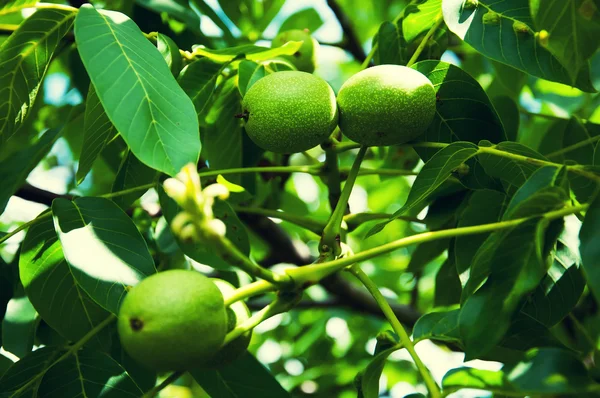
(282, 251)
(354, 46)
(345, 293)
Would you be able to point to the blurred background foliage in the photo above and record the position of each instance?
(292, 345)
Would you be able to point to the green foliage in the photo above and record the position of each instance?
(124, 153)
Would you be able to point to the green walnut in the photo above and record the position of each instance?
(290, 111)
(237, 314)
(386, 105)
(173, 320)
(305, 58)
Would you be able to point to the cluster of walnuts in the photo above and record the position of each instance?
(293, 111)
(177, 319)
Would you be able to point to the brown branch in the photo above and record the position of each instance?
(34, 194)
(353, 43)
(282, 251)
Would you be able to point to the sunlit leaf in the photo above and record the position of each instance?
(170, 52)
(105, 251)
(419, 17)
(544, 371)
(248, 51)
(463, 110)
(9, 7)
(249, 73)
(137, 90)
(572, 27)
(504, 31)
(307, 18)
(24, 59)
(51, 286)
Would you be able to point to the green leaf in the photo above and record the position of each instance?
(573, 29)
(419, 17)
(516, 268)
(248, 51)
(51, 286)
(448, 287)
(24, 59)
(369, 381)
(15, 169)
(207, 10)
(508, 82)
(463, 111)
(391, 48)
(170, 52)
(199, 251)
(425, 253)
(539, 194)
(307, 18)
(249, 73)
(222, 139)
(199, 80)
(19, 325)
(177, 9)
(5, 363)
(589, 247)
(542, 371)
(434, 173)
(484, 207)
(503, 31)
(510, 171)
(245, 377)
(24, 370)
(132, 173)
(440, 326)
(137, 90)
(105, 251)
(570, 140)
(98, 131)
(559, 291)
(88, 373)
(9, 7)
(509, 114)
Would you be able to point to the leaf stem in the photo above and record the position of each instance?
(24, 226)
(232, 255)
(432, 387)
(574, 146)
(281, 304)
(304, 222)
(250, 290)
(56, 7)
(311, 274)
(170, 379)
(331, 232)
(128, 191)
(419, 50)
